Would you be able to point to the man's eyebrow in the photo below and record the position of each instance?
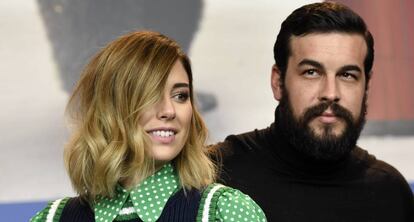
(350, 68)
(320, 66)
(311, 63)
(181, 85)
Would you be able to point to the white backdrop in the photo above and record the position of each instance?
(231, 54)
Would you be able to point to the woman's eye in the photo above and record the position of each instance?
(181, 96)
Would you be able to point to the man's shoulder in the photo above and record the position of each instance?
(378, 170)
(386, 181)
(244, 143)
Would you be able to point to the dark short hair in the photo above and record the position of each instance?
(322, 17)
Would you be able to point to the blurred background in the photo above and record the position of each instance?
(45, 43)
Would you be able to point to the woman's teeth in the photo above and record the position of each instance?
(162, 133)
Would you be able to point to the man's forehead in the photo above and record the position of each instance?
(333, 46)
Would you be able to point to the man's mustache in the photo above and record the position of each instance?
(337, 110)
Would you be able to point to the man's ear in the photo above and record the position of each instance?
(276, 83)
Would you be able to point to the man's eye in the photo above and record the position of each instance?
(349, 76)
(181, 96)
(311, 73)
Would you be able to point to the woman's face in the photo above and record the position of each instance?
(168, 121)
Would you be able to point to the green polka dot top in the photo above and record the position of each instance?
(147, 200)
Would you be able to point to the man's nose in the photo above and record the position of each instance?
(329, 89)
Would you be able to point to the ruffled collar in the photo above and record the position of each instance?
(148, 198)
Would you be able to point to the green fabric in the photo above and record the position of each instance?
(233, 205)
(53, 210)
(148, 198)
(127, 212)
(221, 203)
(41, 215)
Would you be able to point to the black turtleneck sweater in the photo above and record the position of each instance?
(290, 187)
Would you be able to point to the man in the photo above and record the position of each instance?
(306, 165)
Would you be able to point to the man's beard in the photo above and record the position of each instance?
(327, 146)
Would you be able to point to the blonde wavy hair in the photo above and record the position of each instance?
(108, 146)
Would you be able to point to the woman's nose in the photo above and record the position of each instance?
(166, 110)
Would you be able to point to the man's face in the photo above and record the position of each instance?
(324, 86)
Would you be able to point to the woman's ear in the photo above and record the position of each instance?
(276, 83)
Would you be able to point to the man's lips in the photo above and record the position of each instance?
(328, 118)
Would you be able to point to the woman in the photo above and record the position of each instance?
(138, 150)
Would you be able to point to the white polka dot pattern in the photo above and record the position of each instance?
(234, 205)
(149, 198)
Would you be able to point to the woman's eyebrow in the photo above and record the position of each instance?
(181, 85)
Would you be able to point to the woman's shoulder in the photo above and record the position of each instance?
(65, 209)
(52, 210)
(224, 203)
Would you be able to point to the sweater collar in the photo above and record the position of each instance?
(148, 198)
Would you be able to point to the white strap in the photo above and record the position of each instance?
(52, 211)
(208, 202)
